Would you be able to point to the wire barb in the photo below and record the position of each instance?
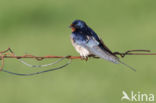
(132, 52)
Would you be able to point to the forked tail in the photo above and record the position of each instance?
(128, 66)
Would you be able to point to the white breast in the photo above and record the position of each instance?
(83, 51)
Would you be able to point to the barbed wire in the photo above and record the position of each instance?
(8, 53)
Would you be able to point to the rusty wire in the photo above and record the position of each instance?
(8, 53)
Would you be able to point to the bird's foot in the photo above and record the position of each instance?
(84, 58)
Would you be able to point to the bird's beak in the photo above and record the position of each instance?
(72, 27)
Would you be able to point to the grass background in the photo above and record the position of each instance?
(40, 27)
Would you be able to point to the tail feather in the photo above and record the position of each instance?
(128, 66)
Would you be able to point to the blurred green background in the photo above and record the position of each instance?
(40, 27)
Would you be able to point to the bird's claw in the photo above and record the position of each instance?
(84, 58)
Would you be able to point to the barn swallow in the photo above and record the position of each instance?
(88, 44)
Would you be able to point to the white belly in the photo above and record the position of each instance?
(83, 51)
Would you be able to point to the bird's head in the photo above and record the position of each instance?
(78, 24)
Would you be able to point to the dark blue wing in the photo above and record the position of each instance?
(101, 43)
(92, 33)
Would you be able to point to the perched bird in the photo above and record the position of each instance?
(88, 44)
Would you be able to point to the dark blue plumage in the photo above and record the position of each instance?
(87, 43)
